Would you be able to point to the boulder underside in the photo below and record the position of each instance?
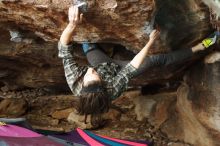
(127, 23)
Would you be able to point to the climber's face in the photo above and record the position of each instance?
(91, 76)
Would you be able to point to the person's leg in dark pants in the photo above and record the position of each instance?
(94, 55)
(164, 59)
(159, 60)
(179, 55)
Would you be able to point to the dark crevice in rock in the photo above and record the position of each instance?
(156, 88)
(2, 84)
(180, 24)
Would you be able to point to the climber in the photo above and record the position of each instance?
(96, 86)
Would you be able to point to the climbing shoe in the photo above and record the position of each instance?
(212, 39)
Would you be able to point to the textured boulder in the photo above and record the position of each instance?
(13, 107)
(214, 5)
(32, 62)
(204, 95)
(30, 30)
(191, 115)
(125, 22)
(198, 105)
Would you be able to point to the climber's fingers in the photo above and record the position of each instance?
(81, 18)
(154, 34)
(71, 14)
(76, 14)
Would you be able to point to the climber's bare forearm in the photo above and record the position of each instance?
(67, 34)
(139, 58)
(74, 19)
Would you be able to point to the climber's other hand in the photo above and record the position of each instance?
(154, 34)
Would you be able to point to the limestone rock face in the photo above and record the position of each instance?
(30, 30)
(125, 22)
(13, 107)
(194, 116)
(190, 115)
(214, 5)
(204, 95)
(32, 61)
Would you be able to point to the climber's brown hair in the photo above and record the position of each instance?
(93, 103)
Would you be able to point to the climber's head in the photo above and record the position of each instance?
(91, 77)
(93, 98)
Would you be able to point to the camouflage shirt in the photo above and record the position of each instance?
(115, 79)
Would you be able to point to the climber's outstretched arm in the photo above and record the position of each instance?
(71, 68)
(139, 58)
(74, 19)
